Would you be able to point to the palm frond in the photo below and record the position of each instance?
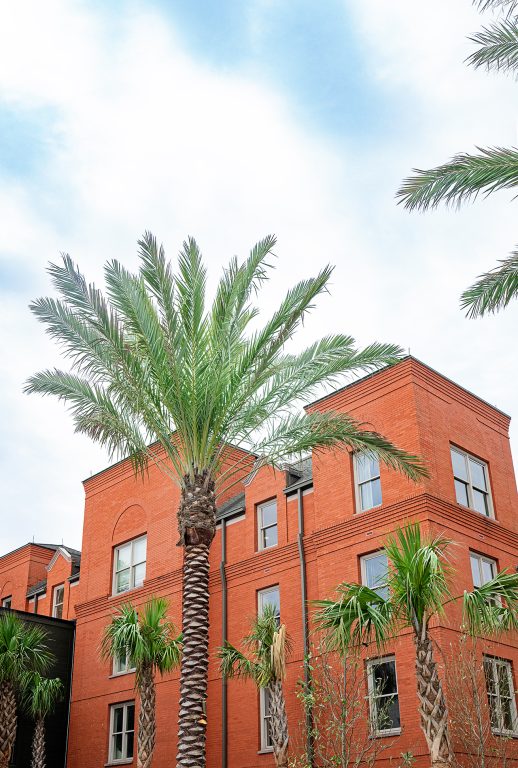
(41, 694)
(233, 663)
(23, 650)
(493, 607)
(493, 290)
(499, 5)
(461, 179)
(359, 616)
(498, 46)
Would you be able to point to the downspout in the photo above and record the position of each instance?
(224, 718)
(305, 623)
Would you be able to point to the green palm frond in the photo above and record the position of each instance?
(493, 290)
(492, 608)
(461, 179)
(41, 694)
(233, 663)
(147, 638)
(499, 5)
(23, 650)
(358, 617)
(498, 46)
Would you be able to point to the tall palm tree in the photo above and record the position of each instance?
(23, 649)
(149, 643)
(41, 694)
(418, 581)
(269, 645)
(200, 392)
(465, 176)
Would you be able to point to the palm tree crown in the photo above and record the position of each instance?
(41, 694)
(466, 175)
(23, 649)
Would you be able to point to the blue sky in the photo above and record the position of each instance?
(227, 121)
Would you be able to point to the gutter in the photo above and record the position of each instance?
(224, 622)
(305, 622)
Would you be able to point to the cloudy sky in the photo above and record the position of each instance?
(229, 120)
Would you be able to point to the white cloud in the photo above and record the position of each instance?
(147, 136)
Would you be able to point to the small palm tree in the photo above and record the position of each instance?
(150, 644)
(465, 176)
(200, 393)
(23, 650)
(418, 583)
(41, 694)
(269, 645)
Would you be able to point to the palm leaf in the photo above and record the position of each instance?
(493, 607)
(493, 290)
(498, 46)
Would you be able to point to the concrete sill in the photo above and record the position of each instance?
(268, 751)
(118, 762)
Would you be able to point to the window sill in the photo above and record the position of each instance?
(121, 674)
(386, 734)
(128, 761)
(267, 751)
(505, 734)
(471, 509)
(114, 596)
(266, 549)
(363, 511)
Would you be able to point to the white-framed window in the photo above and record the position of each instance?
(122, 665)
(374, 570)
(367, 481)
(471, 480)
(129, 565)
(58, 597)
(7, 601)
(267, 524)
(383, 696)
(264, 709)
(501, 696)
(270, 596)
(122, 731)
(483, 569)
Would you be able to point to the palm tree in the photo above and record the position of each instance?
(41, 694)
(465, 176)
(23, 649)
(200, 393)
(418, 583)
(149, 644)
(269, 645)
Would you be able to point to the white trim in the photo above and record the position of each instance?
(357, 483)
(262, 594)
(118, 705)
(475, 556)
(469, 484)
(125, 671)
(231, 521)
(507, 665)
(371, 556)
(371, 663)
(131, 567)
(60, 551)
(55, 603)
(260, 528)
(263, 725)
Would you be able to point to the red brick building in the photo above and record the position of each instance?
(286, 532)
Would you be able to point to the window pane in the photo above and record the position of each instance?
(503, 681)
(458, 462)
(123, 580)
(139, 551)
(117, 719)
(388, 713)
(385, 678)
(480, 502)
(129, 745)
(130, 718)
(477, 474)
(271, 597)
(375, 569)
(490, 681)
(475, 570)
(270, 537)
(370, 494)
(461, 492)
(117, 747)
(367, 467)
(139, 574)
(269, 514)
(487, 571)
(123, 557)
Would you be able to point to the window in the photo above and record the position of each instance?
(483, 569)
(383, 696)
(267, 524)
(122, 731)
(7, 601)
(374, 570)
(270, 596)
(501, 696)
(471, 482)
(130, 565)
(57, 601)
(122, 665)
(264, 706)
(367, 481)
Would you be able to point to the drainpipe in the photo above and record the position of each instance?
(224, 723)
(305, 621)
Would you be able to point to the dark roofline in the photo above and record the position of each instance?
(38, 588)
(50, 547)
(74, 577)
(417, 360)
(305, 483)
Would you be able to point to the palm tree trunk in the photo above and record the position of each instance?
(8, 720)
(433, 710)
(147, 719)
(197, 526)
(279, 724)
(38, 744)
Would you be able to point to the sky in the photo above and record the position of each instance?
(227, 121)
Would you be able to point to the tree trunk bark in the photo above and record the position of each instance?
(433, 710)
(279, 724)
(146, 719)
(8, 721)
(197, 526)
(38, 744)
